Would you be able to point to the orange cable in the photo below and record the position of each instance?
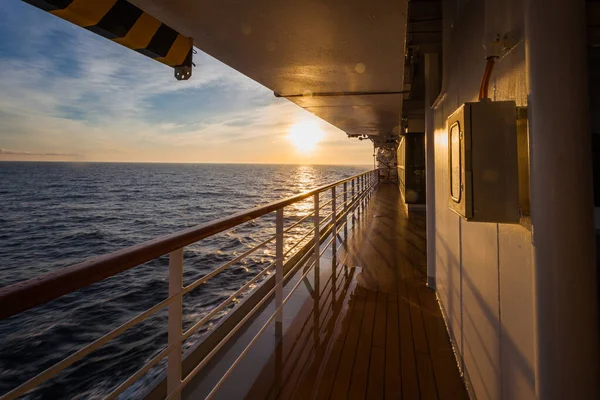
(487, 74)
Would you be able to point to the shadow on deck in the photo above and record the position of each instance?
(377, 330)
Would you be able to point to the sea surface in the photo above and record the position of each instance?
(56, 214)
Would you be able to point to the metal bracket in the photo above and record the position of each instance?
(183, 73)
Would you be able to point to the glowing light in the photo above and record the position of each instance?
(305, 136)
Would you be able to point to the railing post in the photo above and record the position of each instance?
(279, 271)
(345, 195)
(333, 222)
(362, 188)
(373, 179)
(360, 191)
(174, 321)
(367, 188)
(317, 223)
(353, 197)
(345, 211)
(317, 273)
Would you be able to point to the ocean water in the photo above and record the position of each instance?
(56, 214)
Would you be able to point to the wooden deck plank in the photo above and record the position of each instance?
(323, 319)
(376, 384)
(327, 375)
(426, 378)
(393, 376)
(331, 311)
(380, 320)
(410, 382)
(447, 376)
(292, 367)
(427, 385)
(360, 372)
(391, 343)
(309, 354)
(327, 378)
(293, 343)
(419, 336)
(341, 384)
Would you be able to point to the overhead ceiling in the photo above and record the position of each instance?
(342, 60)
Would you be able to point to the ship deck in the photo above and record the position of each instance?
(385, 337)
(367, 327)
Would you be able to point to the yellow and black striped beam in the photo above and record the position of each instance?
(126, 24)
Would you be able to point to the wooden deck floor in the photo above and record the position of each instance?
(373, 331)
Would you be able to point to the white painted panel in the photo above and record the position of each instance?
(480, 307)
(447, 239)
(516, 308)
(484, 269)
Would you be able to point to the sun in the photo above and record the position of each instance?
(305, 135)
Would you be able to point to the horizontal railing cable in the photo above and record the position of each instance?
(25, 295)
(36, 291)
(218, 308)
(220, 269)
(78, 355)
(264, 327)
(234, 330)
(224, 341)
(289, 228)
(301, 240)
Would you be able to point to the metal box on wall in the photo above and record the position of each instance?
(483, 163)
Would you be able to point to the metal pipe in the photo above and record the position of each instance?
(565, 292)
(336, 94)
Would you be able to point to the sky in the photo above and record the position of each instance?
(67, 94)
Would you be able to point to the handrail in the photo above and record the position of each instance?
(25, 295)
(262, 329)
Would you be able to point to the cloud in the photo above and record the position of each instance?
(27, 153)
(66, 91)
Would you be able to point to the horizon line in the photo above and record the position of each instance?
(175, 162)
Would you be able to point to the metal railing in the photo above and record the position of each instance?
(23, 296)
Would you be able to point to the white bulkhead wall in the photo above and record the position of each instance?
(522, 328)
(484, 271)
